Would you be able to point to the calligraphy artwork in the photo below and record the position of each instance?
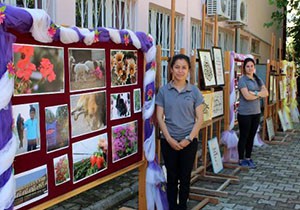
(218, 63)
(215, 155)
(270, 128)
(207, 75)
(218, 104)
(208, 105)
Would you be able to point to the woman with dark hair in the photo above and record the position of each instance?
(252, 89)
(179, 114)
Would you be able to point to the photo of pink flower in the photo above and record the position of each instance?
(124, 140)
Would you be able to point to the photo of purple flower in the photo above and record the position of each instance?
(124, 140)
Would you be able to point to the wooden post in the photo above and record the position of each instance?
(157, 85)
(193, 68)
(203, 26)
(142, 186)
(216, 31)
(158, 68)
(182, 51)
(227, 91)
(172, 40)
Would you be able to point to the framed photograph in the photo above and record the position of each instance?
(120, 105)
(208, 105)
(270, 128)
(38, 69)
(27, 127)
(215, 155)
(89, 157)
(218, 104)
(272, 89)
(31, 186)
(283, 122)
(281, 90)
(218, 64)
(123, 64)
(57, 127)
(88, 112)
(87, 69)
(137, 103)
(124, 140)
(207, 75)
(61, 169)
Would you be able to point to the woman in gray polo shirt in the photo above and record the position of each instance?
(252, 89)
(179, 114)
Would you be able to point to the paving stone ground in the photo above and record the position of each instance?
(274, 184)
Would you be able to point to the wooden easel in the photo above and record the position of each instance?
(271, 110)
(200, 173)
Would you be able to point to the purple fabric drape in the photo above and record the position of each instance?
(5, 177)
(5, 126)
(17, 18)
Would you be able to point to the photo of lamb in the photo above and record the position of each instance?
(88, 112)
(123, 64)
(87, 69)
(120, 105)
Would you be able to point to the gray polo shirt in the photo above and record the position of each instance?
(179, 108)
(248, 107)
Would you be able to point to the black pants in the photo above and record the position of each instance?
(248, 125)
(179, 166)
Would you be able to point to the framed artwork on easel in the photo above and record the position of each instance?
(218, 64)
(218, 104)
(270, 128)
(207, 74)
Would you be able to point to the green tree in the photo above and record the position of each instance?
(288, 14)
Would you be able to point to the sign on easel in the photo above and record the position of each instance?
(215, 155)
(270, 128)
(282, 121)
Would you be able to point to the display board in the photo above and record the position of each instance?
(75, 115)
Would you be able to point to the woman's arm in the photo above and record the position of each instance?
(263, 92)
(163, 127)
(195, 131)
(249, 95)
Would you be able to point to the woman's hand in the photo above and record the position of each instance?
(175, 144)
(184, 142)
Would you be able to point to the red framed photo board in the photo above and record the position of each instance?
(82, 120)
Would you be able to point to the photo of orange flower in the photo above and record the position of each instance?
(37, 69)
(123, 67)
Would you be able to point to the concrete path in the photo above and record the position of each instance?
(274, 184)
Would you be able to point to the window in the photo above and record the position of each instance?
(47, 5)
(254, 46)
(208, 37)
(195, 35)
(160, 29)
(196, 43)
(244, 48)
(226, 41)
(105, 13)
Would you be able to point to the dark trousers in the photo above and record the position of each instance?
(248, 125)
(179, 166)
(31, 145)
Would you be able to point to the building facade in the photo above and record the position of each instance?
(246, 34)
